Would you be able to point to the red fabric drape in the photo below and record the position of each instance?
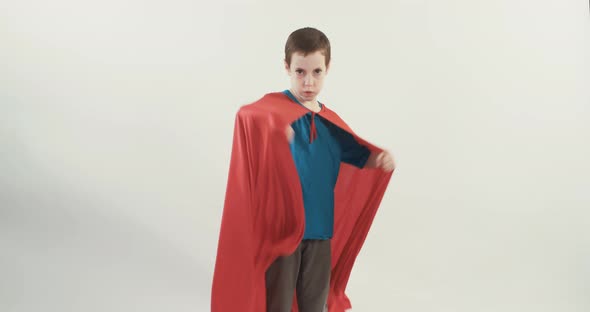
(263, 215)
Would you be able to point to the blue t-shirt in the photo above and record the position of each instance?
(318, 147)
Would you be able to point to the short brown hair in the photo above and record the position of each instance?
(307, 40)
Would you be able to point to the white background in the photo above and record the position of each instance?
(116, 122)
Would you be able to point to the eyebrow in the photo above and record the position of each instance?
(299, 68)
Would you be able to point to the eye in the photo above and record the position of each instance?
(317, 71)
(299, 71)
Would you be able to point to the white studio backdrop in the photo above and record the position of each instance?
(116, 123)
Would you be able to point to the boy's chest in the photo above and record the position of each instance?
(318, 161)
(315, 138)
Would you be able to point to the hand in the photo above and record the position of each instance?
(383, 160)
(290, 133)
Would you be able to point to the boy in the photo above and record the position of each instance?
(284, 195)
(318, 147)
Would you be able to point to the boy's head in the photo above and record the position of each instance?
(307, 60)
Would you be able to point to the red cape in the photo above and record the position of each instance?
(263, 216)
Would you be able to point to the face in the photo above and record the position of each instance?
(307, 75)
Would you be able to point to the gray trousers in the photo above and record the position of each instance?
(306, 272)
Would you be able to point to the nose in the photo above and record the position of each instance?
(308, 81)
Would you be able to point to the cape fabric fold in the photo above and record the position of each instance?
(263, 214)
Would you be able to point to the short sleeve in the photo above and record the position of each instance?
(352, 152)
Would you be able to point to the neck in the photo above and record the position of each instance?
(312, 106)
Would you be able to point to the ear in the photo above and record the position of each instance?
(287, 69)
(328, 67)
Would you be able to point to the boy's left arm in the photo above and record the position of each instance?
(360, 156)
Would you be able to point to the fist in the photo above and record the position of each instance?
(290, 133)
(383, 160)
